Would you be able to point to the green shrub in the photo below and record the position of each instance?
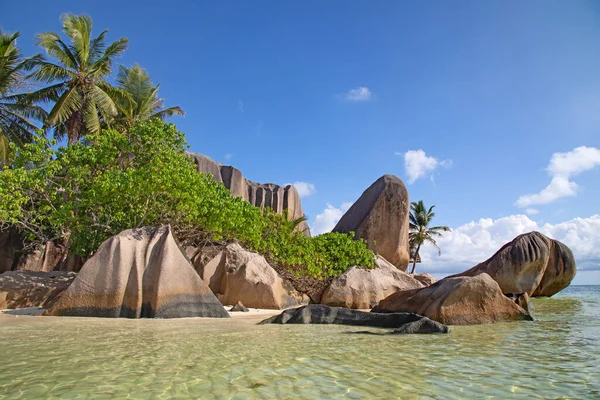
(92, 190)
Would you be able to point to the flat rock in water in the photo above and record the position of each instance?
(319, 314)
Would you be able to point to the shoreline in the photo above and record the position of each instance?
(37, 312)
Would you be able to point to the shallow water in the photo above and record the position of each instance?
(558, 356)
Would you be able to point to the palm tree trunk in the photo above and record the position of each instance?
(412, 271)
(74, 126)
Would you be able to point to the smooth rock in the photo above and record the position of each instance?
(139, 273)
(360, 288)
(426, 279)
(20, 289)
(320, 314)
(461, 300)
(380, 217)
(532, 263)
(235, 274)
(277, 197)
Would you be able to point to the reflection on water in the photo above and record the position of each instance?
(558, 355)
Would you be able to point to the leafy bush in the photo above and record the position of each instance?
(91, 190)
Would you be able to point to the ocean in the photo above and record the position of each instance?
(556, 356)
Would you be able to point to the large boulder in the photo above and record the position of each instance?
(320, 314)
(461, 300)
(532, 263)
(278, 198)
(139, 273)
(235, 274)
(380, 217)
(361, 288)
(20, 289)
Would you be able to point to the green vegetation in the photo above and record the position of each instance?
(123, 167)
(92, 189)
(77, 80)
(140, 101)
(420, 231)
(15, 111)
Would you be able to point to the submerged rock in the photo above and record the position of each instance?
(363, 288)
(20, 289)
(235, 274)
(276, 197)
(532, 263)
(380, 217)
(139, 273)
(320, 314)
(457, 301)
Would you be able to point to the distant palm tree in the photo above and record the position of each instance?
(139, 100)
(16, 111)
(292, 224)
(78, 86)
(420, 231)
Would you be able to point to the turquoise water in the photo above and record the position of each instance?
(558, 356)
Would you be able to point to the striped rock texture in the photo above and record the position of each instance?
(262, 195)
(532, 263)
(139, 273)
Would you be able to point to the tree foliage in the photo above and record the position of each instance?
(78, 89)
(139, 100)
(16, 113)
(419, 230)
(86, 193)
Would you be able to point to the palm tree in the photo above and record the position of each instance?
(139, 100)
(78, 78)
(15, 111)
(420, 231)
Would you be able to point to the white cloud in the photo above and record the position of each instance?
(472, 243)
(361, 93)
(574, 162)
(532, 211)
(326, 221)
(562, 167)
(417, 164)
(558, 188)
(305, 189)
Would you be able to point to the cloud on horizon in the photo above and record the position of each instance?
(472, 243)
(418, 165)
(562, 167)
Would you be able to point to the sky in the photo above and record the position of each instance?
(488, 109)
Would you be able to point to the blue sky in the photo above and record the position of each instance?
(473, 98)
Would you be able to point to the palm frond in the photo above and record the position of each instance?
(168, 112)
(69, 102)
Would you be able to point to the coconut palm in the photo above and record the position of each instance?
(139, 100)
(77, 79)
(16, 112)
(420, 231)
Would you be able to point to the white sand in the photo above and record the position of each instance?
(252, 313)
